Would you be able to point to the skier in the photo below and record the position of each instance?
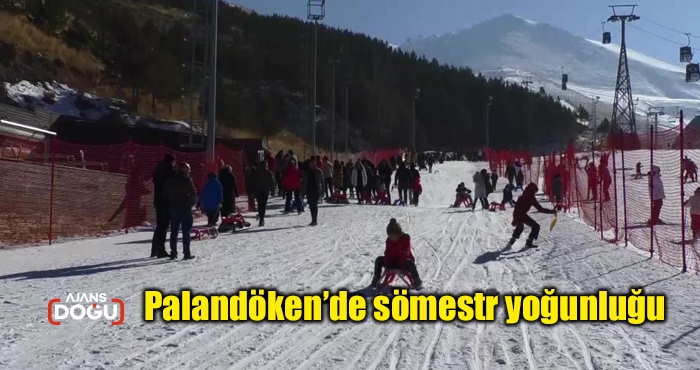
(181, 195)
(638, 175)
(521, 218)
(508, 195)
(606, 179)
(312, 188)
(402, 180)
(163, 172)
(462, 193)
(479, 191)
(210, 199)
(263, 183)
(397, 255)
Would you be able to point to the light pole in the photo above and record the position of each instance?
(595, 126)
(413, 133)
(211, 117)
(347, 115)
(488, 108)
(333, 63)
(315, 11)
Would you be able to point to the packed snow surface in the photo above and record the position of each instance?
(454, 250)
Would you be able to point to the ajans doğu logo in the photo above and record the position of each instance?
(93, 306)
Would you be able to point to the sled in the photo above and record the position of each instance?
(382, 200)
(554, 221)
(234, 223)
(390, 275)
(204, 232)
(337, 198)
(367, 198)
(467, 203)
(399, 202)
(495, 206)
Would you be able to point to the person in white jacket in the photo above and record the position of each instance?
(694, 203)
(656, 192)
(358, 178)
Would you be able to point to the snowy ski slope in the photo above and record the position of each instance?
(452, 248)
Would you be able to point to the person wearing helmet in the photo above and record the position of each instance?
(521, 218)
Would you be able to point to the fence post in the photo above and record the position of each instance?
(600, 192)
(624, 190)
(617, 213)
(651, 200)
(53, 172)
(682, 194)
(127, 196)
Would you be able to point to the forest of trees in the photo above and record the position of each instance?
(264, 65)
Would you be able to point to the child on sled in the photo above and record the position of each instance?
(382, 196)
(397, 255)
(462, 194)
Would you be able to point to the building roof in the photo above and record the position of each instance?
(39, 118)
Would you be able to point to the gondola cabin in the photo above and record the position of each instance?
(606, 38)
(686, 54)
(692, 72)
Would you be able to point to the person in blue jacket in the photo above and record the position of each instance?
(210, 199)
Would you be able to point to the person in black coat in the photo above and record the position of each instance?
(510, 173)
(262, 181)
(402, 181)
(164, 171)
(385, 171)
(229, 189)
(487, 182)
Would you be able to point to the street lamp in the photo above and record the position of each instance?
(413, 135)
(315, 11)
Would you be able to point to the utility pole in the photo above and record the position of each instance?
(488, 108)
(623, 107)
(413, 134)
(211, 116)
(595, 125)
(333, 63)
(656, 112)
(347, 115)
(315, 11)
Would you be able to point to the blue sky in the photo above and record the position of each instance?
(397, 20)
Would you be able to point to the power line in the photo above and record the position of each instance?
(671, 29)
(661, 37)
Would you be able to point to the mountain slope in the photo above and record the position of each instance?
(515, 48)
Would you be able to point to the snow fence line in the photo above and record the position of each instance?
(262, 305)
(610, 188)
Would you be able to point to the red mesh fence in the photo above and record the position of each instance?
(81, 190)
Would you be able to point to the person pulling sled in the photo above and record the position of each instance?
(520, 217)
(397, 255)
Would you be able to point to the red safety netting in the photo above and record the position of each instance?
(78, 190)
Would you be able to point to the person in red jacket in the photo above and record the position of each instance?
(521, 218)
(291, 182)
(397, 255)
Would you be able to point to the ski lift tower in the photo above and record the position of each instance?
(196, 65)
(623, 108)
(315, 11)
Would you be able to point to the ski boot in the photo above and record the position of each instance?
(529, 244)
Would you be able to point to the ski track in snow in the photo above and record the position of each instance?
(453, 248)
